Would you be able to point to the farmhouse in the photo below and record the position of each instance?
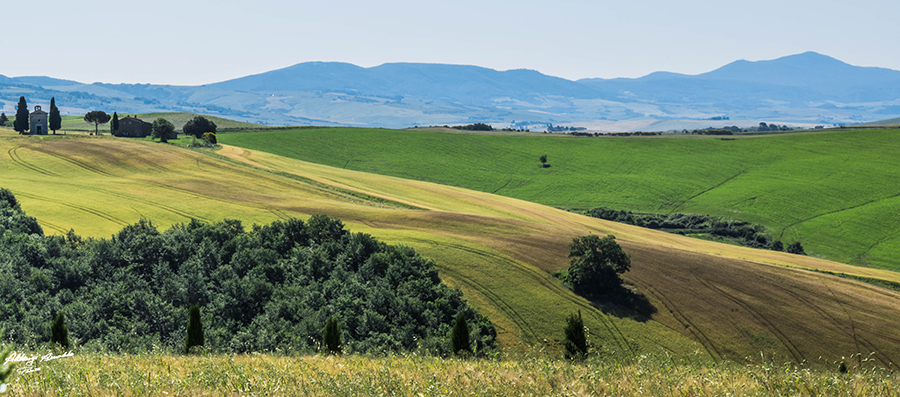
(133, 127)
(38, 119)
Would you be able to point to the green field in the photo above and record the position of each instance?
(838, 192)
(499, 250)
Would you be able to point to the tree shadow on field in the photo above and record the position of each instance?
(624, 302)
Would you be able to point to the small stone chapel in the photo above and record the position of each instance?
(38, 119)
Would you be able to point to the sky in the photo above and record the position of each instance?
(193, 42)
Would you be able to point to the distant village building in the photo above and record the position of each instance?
(38, 119)
(134, 127)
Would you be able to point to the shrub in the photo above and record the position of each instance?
(460, 336)
(796, 248)
(210, 137)
(194, 330)
(331, 336)
(59, 332)
(777, 246)
(575, 341)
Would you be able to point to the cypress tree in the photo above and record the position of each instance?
(21, 123)
(59, 332)
(460, 336)
(54, 120)
(3, 119)
(194, 330)
(331, 336)
(114, 125)
(575, 340)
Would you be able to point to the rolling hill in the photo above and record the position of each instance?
(835, 191)
(724, 301)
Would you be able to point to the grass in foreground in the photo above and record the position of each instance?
(412, 375)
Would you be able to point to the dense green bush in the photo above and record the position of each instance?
(267, 289)
(718, 227)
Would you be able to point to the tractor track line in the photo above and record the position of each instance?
(780, 236)
(793, 350)
(78, 207)
(541, 278)
(705, 191)
(686, 322)
(18, 160)
(498, 302)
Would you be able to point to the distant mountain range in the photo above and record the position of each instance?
(805, 88)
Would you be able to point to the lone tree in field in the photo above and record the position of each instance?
(595, 265)
(3, 119)
(114, 125)
(21, 123)
(194, 330)
(54, 120)
(59, 332)
(575, 340)
(544, 161)
(97, 117)
(331, 336)
(460, 336)
(199, 125)
(162, 129)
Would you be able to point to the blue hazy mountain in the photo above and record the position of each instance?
(427, 81)
(806, 77)
(807, 87)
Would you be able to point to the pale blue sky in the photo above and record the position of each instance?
(198, 42)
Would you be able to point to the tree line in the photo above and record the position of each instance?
(720, 228)
(263, 289)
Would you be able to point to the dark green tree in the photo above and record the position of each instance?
(3, 119)
(54, 120)
(575, 340)
(595, 264)
(194, 330)
(199, 125)
(8, 199)
(21, 123)
(331, 336)
(162, 129)
(796, 248)
(97, 117)
(777, 246)
(460, 336)
(114, 125)
(59, 332)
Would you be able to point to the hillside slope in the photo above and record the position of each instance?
(836, 191)
(723, 300)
